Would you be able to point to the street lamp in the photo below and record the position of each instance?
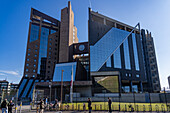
(50, 85)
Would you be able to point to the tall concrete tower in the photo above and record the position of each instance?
(68, 34)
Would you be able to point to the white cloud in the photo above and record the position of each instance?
(5, 72)
(2, 74)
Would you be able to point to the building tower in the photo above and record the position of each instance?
(40, 27)
(68, 34)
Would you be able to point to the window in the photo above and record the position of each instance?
(28, 59)
(126, 75)
(49, 57)
(49, 61)
(34, 70)
(49, 53)
(33, 75)
(35, 60)
(48, 66)
(50, 48)
(34, 65)
(28, 54)
(27, 64)
(50, 44)
(36, 50)
(50, 39)
(26, 75)
(36, 45)
(29, 49)
(137, 76)
(55, 48)
(26, 70)
(130, 75)
(48, 71)
(35, 55)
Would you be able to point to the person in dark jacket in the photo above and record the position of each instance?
(109, 104)
(41, 106)
(89, 105)
(10, 105)
(4, 106)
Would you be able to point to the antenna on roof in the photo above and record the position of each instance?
(90, 3)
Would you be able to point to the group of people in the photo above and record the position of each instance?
(109, 105)
(43, 105)
(7, 106)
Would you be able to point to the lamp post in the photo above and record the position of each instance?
(62, 86)
(50, 85)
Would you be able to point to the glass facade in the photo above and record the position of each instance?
(135, 52)
(43, 45)
(53, 31)
(27, 88)
(105, 47)
(34, 33)
(126, 54)
(30, 94)
(117, 59)
(108, 63)
(22, 86)
(67, 67)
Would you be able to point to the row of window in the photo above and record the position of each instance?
(27, 75)
(130, 75)
(32, 71)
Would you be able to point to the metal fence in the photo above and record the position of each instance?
(135, 101)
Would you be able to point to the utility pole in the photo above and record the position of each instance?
(62, 86)
(50, 85)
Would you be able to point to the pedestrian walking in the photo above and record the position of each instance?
(109, 104)
(89, 105)
(41, 106)
(4, 106)
(10, 105)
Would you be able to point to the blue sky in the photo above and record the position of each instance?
(153, 15)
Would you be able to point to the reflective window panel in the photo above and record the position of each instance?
(68, 68)
(34, 33)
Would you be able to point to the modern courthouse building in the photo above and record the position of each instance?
(116, 58)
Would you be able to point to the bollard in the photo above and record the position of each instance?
(16, 109)
(20, 107)
(30, 106)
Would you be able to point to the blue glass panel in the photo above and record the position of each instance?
(30, 94)
(42, 80)
(67, 67)
(27, 88)
(135, 88)
(117, 59)
(108, 63)
(34, 33)
(22, 86)
(43, 45)
(135, 52)
(105, 47)
(53, 31)
(126, 54)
